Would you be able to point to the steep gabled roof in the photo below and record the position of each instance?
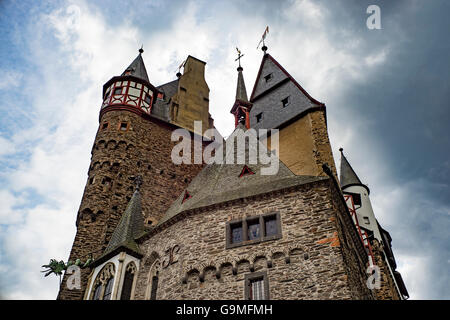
(137, 68)
(218, 183)
(268, 56)
(130, 227)
(348, 176)
(160, 107)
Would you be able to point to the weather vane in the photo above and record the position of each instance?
(264, 48)
(239, 56)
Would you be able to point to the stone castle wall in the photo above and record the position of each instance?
(144, 148)
(308, 262)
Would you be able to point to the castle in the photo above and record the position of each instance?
(159, 230)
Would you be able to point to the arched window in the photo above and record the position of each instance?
(103, 283)
(97, 292)
(127, 287)
(108, 289)
(152, 279)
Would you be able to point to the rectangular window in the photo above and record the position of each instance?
(236, 233)
(105, 125)
(253, 230)
(286, 101)
(123, 126)
(270, 225)
(366, 220)
(117, 91)
(356, 198)
(259, 117)
(148, 98)
(256, 286)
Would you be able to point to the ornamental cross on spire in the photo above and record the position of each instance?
(239, 57)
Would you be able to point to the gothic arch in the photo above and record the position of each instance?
(129, 284)
(150, 291)
(106, 273)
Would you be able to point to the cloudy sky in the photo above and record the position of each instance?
(387, 94)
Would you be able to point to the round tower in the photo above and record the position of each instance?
(130, 142)
(351, 184)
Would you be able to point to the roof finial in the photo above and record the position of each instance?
(141, 50)
(239, 59)
(341, 149)
(264, 47)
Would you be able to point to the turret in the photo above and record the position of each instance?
(131, 90)
(114, 272)
(352, 185)
(241, 108)
(376, 240)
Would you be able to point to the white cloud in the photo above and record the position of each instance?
(9, 79)
(87, 51)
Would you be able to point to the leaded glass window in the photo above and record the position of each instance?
(253, 230)
(271, 225)
(127, 285)
(236, 233)
(108, 289)
(97, 292)
(257, 289)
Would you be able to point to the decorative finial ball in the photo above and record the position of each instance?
(240, 68)
(178, 74)
(264, 48)
(141, 50)
(341, 149)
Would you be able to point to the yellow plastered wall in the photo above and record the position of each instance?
(191, 102)
(304, 145)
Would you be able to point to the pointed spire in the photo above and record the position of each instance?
(241, 91)
(348, 177)
(130, 226)
(137, 68)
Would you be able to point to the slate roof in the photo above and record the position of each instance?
(241, 92)
(274, 84)
(348, 177)
(130, 227)
(137, 68)
(218, 183)
(160, 107)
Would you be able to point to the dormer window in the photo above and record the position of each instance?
(259, 117)
(268, 77)
(160, 96)
(246, 171)
(118, 91)
(286, 101)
